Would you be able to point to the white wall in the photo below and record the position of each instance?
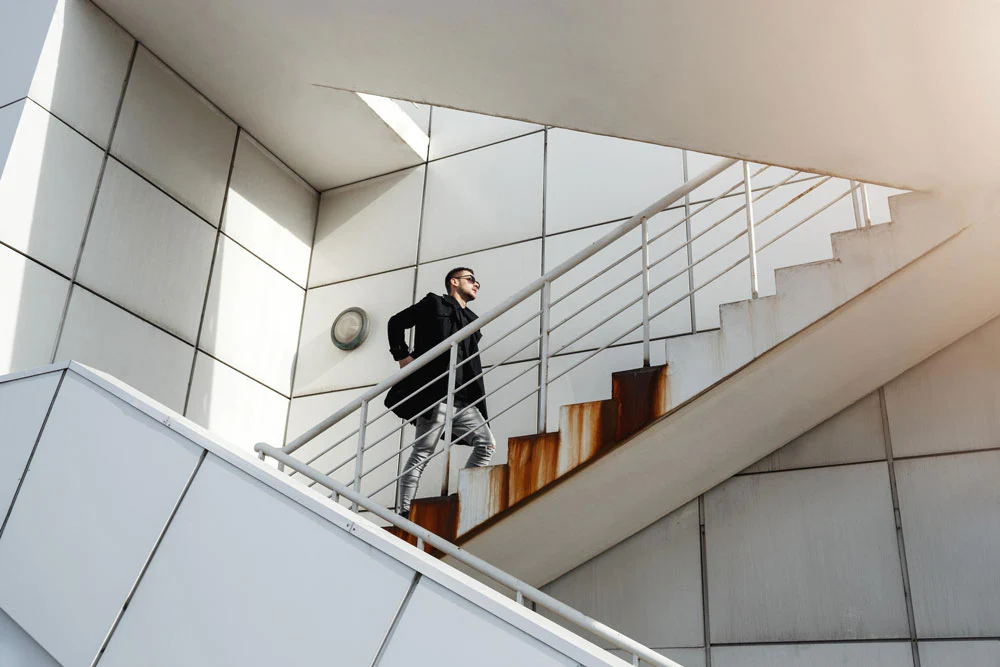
(799, 555)
(132, 537)
(141, 231)
(512, 200)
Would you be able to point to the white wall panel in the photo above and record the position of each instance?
(591, 379)
(453, 131)
(234, 407)
(82, 68)
(323, 367)
(10, 118)
(966, 654)
(952, 528)
(270, 210)
(46, 189)
(483, 198)
(647, 587)
(23, 404)
(252, 317)
(308, 411)
(226, 528)
(595, 179)
(108, 338)
(437, 625)
(869, 654)
(31, 304)
(23, 27)
(18, 649)
(175, 137)
(368, 227)
(951, 401)
(66, 565)
(734, 283)
(804, 555)
(851, 436)
(147, 252)
(502, 272)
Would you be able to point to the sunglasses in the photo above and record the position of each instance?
(471, 278)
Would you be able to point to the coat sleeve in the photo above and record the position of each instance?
(397, 326)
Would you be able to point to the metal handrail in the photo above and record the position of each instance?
(337, 489)
(527, 291)
(522, 589)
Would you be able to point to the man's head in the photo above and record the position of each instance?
(461, 283)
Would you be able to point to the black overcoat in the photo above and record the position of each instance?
(435, 317)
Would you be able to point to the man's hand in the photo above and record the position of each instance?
(403, 362)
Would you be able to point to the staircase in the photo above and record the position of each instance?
(569, 519)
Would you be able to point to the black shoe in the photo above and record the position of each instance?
(405, 514)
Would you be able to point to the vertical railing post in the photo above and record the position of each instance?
(751, 237)
(867, 214)
(543, 367)
(857, 205)
(359, 456)
(690, 250)
(449, 414)
(645, 293)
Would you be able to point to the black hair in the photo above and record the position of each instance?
(454, 273)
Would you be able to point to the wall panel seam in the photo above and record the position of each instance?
(34, 260)
(302, 317)
(31, 455)
(897, 519)
(93, 204)
(149, 559)
(394, 623)
(211, 271)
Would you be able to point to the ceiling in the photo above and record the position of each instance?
(900, 93)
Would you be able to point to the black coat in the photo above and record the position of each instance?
(435, 318)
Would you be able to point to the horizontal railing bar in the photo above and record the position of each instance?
(808, 218)
(676, 224)
(512, 301)
(496, 574)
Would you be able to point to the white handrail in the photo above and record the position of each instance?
(534, 286)
(521, 588)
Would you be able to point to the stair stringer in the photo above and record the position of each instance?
(805, 293)
(930, 302)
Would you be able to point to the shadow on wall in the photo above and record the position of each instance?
(47, 179)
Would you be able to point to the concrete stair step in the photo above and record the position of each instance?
(483, 493)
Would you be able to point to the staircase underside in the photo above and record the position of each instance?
(778, 396)
(898, 93)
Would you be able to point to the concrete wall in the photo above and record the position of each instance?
(141, 230)
(798, 560)
(511, 200)
(128, 536)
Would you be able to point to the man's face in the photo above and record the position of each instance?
(467, 287)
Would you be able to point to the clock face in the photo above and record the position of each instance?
(350, 329)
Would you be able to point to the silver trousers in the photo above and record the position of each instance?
(468, 421)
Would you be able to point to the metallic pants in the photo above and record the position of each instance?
(468, 421)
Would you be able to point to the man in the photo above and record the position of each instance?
(435, 318)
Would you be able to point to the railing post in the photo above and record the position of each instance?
(645, 292)
(359, 456)
(857, 205)
(751, 237)
(543, 363)
(864, 206)
(449, 414)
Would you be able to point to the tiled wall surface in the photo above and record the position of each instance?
(798, 560)
(142, 231)
(511, 200)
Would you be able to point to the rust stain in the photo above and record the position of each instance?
(643, 395)
(584, 430)
(438, 515)
(532, 462)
